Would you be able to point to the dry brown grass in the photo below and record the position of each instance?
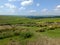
(44, 41)
(39, 41)
(13, 42)
(5, 27)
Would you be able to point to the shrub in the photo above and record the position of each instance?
(51, 28)
(6, 35)
(41, 30)
(26, 34)
(16, 33)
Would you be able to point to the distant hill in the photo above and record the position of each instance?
(37, 17)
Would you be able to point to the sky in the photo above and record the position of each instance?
(30, 7)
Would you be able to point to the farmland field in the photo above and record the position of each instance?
(15, 30)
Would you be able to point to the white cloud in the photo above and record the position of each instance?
(26, 2)
(57, 8)
(31, 11)
(37, 4)
(10, 8)
(55, 11)
(1, 6)
(8, 5)
(44, 10)
(12, 0)
(21, 8)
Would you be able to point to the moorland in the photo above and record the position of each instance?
(16, 30)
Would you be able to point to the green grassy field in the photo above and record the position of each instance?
(16, 30)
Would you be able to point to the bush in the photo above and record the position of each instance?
(51, 28)
(16, 33)
(41, 30)
(26, 34)
(6, 35)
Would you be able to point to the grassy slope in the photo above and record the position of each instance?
(15, 20)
